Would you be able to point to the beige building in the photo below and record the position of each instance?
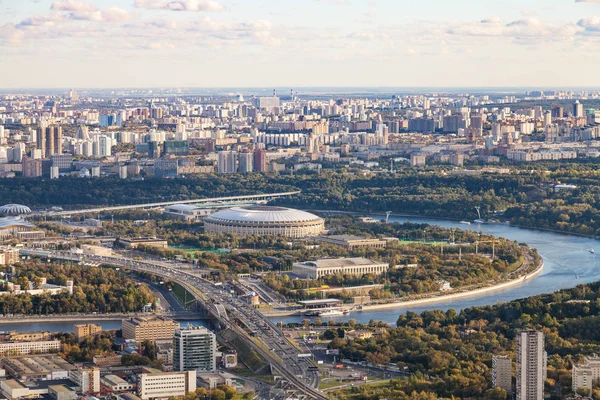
(353, 242)
(115, 383)
(84, 330)
(345, 266)
(41, 347)
(8, 255)
(502, 373)
(37, 368)
(28, 336)
(107, 361)
(148, 328)
(165, 385)
(132, 243)
(14, 389)
(88, 379)
(584, 375)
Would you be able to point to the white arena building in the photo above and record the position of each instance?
(265, 220)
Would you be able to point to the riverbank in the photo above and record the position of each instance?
(455, 296)
(427, 300)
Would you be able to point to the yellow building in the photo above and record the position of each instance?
(84, 330)
(148, 328)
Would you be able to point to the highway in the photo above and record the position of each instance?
(299, 373)
(253, 197)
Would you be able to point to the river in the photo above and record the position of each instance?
(68, 326)
(567, 263)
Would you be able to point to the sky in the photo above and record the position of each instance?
(299, 43)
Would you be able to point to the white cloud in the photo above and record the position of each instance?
(526, 31)
(113, 14)
(590, 24)
(72, 5)
(180, 5)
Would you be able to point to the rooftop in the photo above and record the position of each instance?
(340, 262)
(264, 214)
(14, 221)
(319, 302)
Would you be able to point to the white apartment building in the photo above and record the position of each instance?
(88, 379)
(18, 348)
(502, 373)
(165, 385)
(531, 365)
(584, 375)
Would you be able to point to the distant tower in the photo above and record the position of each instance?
(70, 287)
(274, 92)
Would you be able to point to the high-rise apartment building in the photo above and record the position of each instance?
(194, 348)
(531, 365)
(227, 162)
(49, 140)
(245, 162)
(260, 160)
(577, 109)
(502, 373)
(32, 168)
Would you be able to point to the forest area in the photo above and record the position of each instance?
(524, 197)
(449, 353)
(101, 290)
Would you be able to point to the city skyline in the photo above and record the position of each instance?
(332, 43)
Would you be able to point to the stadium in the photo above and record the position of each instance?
(264, 220)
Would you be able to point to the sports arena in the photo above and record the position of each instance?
(265, 220)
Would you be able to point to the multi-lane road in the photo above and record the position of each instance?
(301, 376)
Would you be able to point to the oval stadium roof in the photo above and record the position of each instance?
(263, 214)
(14, 209)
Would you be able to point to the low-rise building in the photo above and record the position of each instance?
(353, 242)
(186, 212)
(61, 392)
(13, 389)
(115, 383)
(107, 361)
(165, 385)
(230, 359)
(164, 352)
(37, 368)
(133, 243)
(148, 328)
(344, 266)
(211, 381)
(82, 331)
(18, 348)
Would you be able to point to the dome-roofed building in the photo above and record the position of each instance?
(14, 209)
(265, 220)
